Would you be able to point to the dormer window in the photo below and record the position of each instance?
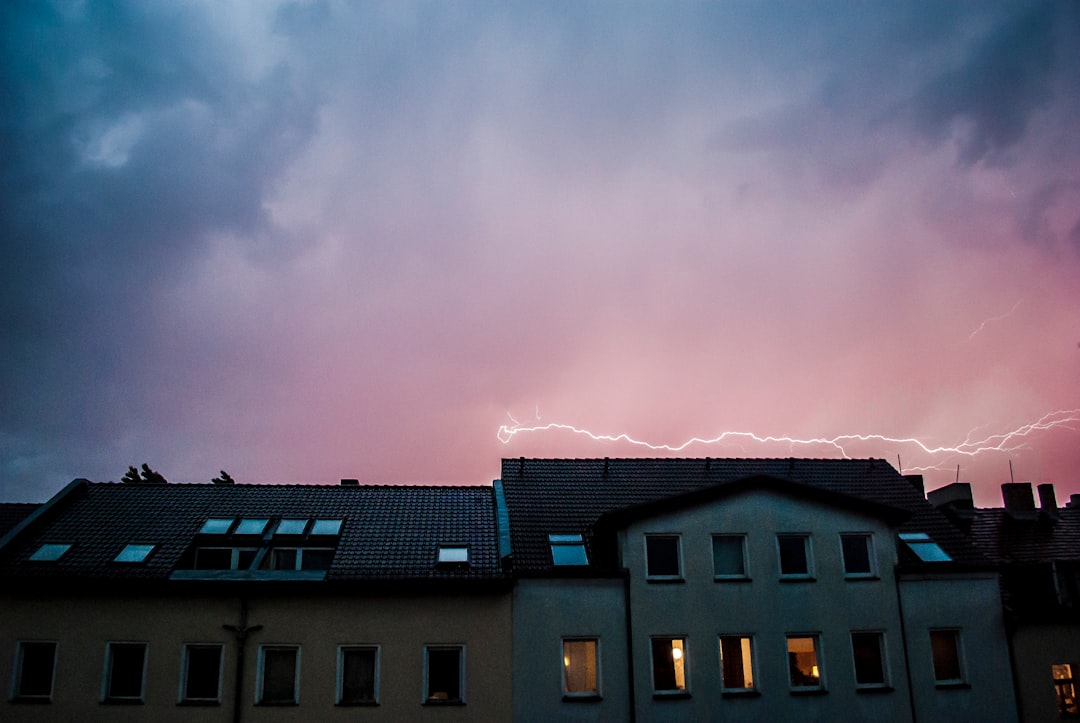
(326, 527)
(251, 526)
(50, 552)
(291, 527)
(134, 553)
(568, 550)
(216, 526)
(453, 555)
(924, 548)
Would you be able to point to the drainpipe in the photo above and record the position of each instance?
(629, 647)
(904, 642)
(240, 632)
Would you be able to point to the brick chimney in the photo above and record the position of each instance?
(1018, 497)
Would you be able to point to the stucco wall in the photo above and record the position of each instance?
(1035, 649)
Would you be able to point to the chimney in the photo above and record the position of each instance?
(956, 496)
(350, 482)
(1074, 502)
(1047, 499)
(1017, 496)
(916, 481)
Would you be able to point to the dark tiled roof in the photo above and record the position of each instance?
(546, 496)
(12, 513)
(1027, 537)
(389, 532)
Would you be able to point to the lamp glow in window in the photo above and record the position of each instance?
(669, 665)
(803, 662)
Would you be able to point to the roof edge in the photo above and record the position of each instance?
(76, 485)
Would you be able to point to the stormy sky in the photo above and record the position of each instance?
(301, 241)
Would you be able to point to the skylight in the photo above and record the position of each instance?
(251, 526)
(50, 552)
(134, 553)
(568, 550)
(326, 527)
(453, 553)
(924, 548)
(216, 526)
(291, 527)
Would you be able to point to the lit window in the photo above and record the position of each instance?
(358, 675)
(1065, 690)
(945, 649)
(201, 672)
(794, 556)
(453, 554)
(858, 551)
(924, 548)
(444, 674)
(125, 671)
(580, 677)
(216, 526)
(251, 526)
(35, 668)
(326, 527)
(729, 557)
(804, 666)
(279, 675)
(736, 663)
(134, 553)
(49, 552)
(291, 527)
(662, 557)
(868, 651)
(568, 550)
(669, 665)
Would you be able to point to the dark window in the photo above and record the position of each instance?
(945, 648)
(736, 662)
(803, 664)
(124, 667)
(868, 652)
(729, 556)
(284, 558)
(669, 665)
(857, 555)
(580, 667)
(278, 683)
(444, 675)
(358, 675)
(202, 672)
(34, 670)
(316, 558)
(662, 555)
(794, 557)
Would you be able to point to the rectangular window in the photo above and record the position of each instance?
(794, 553)
(662, 557)
(804, 664)
(224, 558)
(924, 548)
(729, 557)
(35, 667)
(251, 526)
(300, 558)
(453, 555)
(669, 665)
(201, 682)
(736, 663)
(945, 649)
(216, 526)
(580, 668)
(444, 674)
(125, 671)
(291, 527)
(279, 675)
(868, 651)
(326, 527)
(358, 675)
(858, 551)
(1065, 690)
(134, 553)
(568, 550)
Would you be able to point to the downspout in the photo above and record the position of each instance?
(240, 632)
(904, 643)
(629, 647)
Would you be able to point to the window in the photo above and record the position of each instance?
(49, 552)
(568, 550)
(201, 671)
(804, 665)
(924, 548)
(358, 675)
(736, 663)
(326, 527)
(669, 665)
(224, 558)
(662, 557)
(580, 672)
(291, 527)
(35, 665)
(858, 551)
(279, 675)
(945, 649)
(794, 556)
(125, 668)
(1065, 690)
(301, 558)
(216, 526)
(868, 651)
(444, 674)
(251, 526)
(453, 555)
(134, 553)
(729, 557)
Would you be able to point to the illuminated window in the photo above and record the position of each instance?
(358, 675)
(795, 561)
(251, 526)
(224, 558)
(35, 669)
(868, 651)
(580, 676)
(134, 553)
(279, 675)
(924, 548)
(453, 555)
(125, 672)
(1065, 689)
(216, 526)
(736, 663)
(49, 552)
(568, 550)
(948, 662)
(444, 674)
(291, 527)
(201, 671)
(326, 527)
(804, 664)
(662, 557)
(669, 665)
(858, 551)
(729, 557)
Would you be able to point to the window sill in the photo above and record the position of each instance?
(198, 703)
(871, 689)
(733, 578)
(809, 691)
(741, 693)
(582, 698)
(952, 685)
(665, 580)
(860, 577)
(797, 578)
(670, 694)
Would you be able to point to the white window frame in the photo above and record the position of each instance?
(883, 652)
(753, 689)
(819, 658)
(961, 661)
(340, 691)
(741, 537)
(808, 551)
(460, 647)
(678, 576)
(17, 672)
(260, 675)
(182, 696)
(580, 695)
(107, 673)
(871, 554)
(672, 692)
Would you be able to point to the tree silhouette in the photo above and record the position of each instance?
(146, 477)
(224, 479)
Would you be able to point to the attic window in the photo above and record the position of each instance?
(251, 526)
(134, 553)
(216, 526)
(291, 527)
(326, 527)
(453, 554)
(50, 552)
(568, 550)
(924, 548)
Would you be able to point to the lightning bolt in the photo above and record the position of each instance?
(994, 319)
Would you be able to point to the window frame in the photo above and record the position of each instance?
(819, 663)
(924, 547)
(871, 573)
(565, 543)
(452, 554)
(883, 659)
(426, 693)
(339, 692)
(108, 674)
(568, 694)
(676, 692)
(958, 651)
(1065, 690)
(725, 689)
(18, 673)
(260, 675)
(135, 553)
(183, 697)
(664, 577)
(732, 577)
(235, 552)
(51, 552)
(808, 557)
(217, 526)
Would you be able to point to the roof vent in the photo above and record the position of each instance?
(350, 482)
(1017, 496)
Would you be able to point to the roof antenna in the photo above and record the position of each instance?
(521, 467)
(957, 473)
(1011, 478)
(899, 466)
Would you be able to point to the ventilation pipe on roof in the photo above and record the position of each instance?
(1017, 496)
(350, 482)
